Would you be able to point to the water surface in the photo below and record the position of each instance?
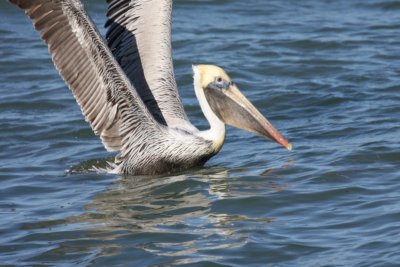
(326, 73)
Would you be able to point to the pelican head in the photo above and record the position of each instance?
(229, 105)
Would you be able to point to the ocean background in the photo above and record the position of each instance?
(325, 73)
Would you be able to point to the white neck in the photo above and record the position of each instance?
(216, 133)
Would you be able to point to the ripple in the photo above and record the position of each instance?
(386, 5)
(326, 75)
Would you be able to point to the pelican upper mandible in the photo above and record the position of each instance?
(127, 91)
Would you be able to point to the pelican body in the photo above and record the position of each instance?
(127, 91)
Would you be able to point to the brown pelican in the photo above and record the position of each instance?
(127, 90)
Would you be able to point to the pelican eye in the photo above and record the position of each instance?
(219, 83)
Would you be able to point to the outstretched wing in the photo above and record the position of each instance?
(109, 102)
(139, 36)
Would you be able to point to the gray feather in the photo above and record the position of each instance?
(107, 98)
(139, 36)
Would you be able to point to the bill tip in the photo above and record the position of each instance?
(289, 147)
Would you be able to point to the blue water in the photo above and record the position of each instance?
(325, 73)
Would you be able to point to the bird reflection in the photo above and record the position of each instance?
(145, 202)
(174, 214)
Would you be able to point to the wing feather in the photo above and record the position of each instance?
(108, 100)
(139, 36)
